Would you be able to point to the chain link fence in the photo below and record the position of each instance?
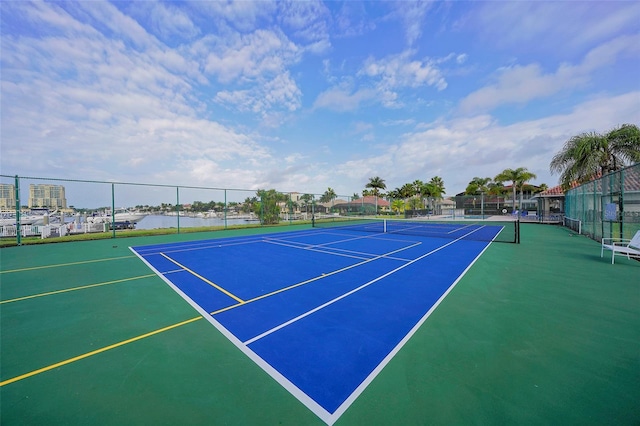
(39, 208)
(606, 207)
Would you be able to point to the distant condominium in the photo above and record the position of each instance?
(47, 196)
(7, 196)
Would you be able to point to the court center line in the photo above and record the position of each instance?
(372, 236)
(355, 290)
(64, 264)
(49, 293)
(328, 274)
(97, 351)
(338, 251)
(444, 230)
(317, 250)
(231, 295)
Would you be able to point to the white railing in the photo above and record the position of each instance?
(574, 224)
(55, 230)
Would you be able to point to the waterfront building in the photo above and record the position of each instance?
(47, 196)
(7, 196)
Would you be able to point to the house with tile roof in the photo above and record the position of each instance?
(550, 206)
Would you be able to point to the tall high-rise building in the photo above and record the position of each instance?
(49, 196)
(7, 196)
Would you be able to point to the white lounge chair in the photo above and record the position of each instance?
(621, 246)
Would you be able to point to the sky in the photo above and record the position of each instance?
(306, 95)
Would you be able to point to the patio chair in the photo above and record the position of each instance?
(622, 246)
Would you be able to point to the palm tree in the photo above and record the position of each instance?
(397, 206)
(478, 185)
(518, 177)
(434, 189)
(394, 194)
(590, 154)
(306, 200)
(376, 184)
(407, 190)
(418, 190)
(429, 190)
(328, 196)
(438, 185)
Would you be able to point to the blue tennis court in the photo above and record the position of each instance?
(321, 310)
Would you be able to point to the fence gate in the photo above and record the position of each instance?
(612, 214)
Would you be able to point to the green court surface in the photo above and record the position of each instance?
(545, 332)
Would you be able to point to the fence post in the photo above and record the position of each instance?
(178, 206)
(621, 201)
(18, 233)
(113, 210)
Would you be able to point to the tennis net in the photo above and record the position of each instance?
(501, 230)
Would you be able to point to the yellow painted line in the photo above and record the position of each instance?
(76, 288)
(143, 336)
(64, 264)
(231, 295)
(97, 351)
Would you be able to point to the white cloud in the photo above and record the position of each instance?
(521, 84)
(351, 20)
(241, 15)
(121, 25)
(342, 99)
(462, 148)
(168, 20)
(308, 20)
(397, 72)
(554, 27)
(412, 15)
(279, 93)
(361, 126)
(400, 71)
(405, 122)
(248, 57)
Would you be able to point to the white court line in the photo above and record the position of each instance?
(349, 293)
(173, 271)
(311, 248)
(203, 246)
(222, 242)
(434, 226)
(338, 251)
(226, 241)
(333, 242)
(371, 236)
